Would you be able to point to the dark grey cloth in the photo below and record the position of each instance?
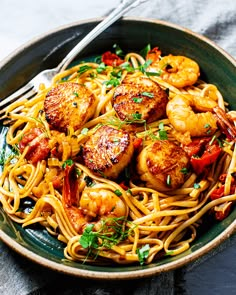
(212, 274)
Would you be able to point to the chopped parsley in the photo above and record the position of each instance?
(118, 50)
(162, 132)
(101, 68)
(84, 69)
(118, 192)
(137, 99)
(68, 162)
(112, 82)
(145, 50)
(148, 94)
(143, 253)
(184, 170)
(196, 185)
(84, 131)
(168, 180)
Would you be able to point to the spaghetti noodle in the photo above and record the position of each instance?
(121, 159)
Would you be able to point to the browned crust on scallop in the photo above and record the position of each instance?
(69, 105)
(108, 151)
(162, 160)
(150, 108)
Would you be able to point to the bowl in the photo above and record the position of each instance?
(47, 51)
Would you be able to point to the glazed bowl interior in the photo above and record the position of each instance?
(47, 51)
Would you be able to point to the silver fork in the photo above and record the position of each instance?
(29, 90)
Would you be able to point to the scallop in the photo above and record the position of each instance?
(69, 105)
(161, 165)
(140, 96)
(108, 151)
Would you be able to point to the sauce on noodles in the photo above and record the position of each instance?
(122, 158)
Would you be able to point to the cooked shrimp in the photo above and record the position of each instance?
(108, 151)
(160, 163)
(140, 95)
(69, 105)
(180, 111)
(94, 205)
(179, 71)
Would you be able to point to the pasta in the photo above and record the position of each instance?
(121, 159)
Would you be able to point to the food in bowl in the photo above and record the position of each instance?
(121, 157)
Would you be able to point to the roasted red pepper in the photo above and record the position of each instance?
(208, 157)
(111, 59)
(137, 142)
(38, 147)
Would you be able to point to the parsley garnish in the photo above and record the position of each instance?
(112, 82)
(118, 192)
(168, 180)
(89, 181)
(148, 94)
(145, 50)
(196, 185)
(84, 69)
(101, 68)
(162, 132)
(68, 162)
(143, 253)
(84, 131)
(137, 116)
(137, 99)
(118, 50)
(184, 170)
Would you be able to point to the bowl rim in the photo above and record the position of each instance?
(105, 275)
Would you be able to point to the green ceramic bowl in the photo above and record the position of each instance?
(131, 34)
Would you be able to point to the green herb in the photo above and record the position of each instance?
(162, 132)
(101, 68)
(212, 140)
(112, 82)
(78, 172)
(145, 50)
(84, 69)
(92, 75)
(89, 181)
(143, 253)
(74, 103)
(207, 126)
(168, 180)
(149, 74)
(184, 170)
(118, 50)
(126, 66)
(76, 94)
(137, 99)
(137, 116)
(111, 232)
(84, 131)
(129, 191)
(68, 162)
(148, 94)
(143, 67)
(196, 185)
(89, 238)
(118, 192)
(117, 73)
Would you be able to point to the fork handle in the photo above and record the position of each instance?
(120, 10)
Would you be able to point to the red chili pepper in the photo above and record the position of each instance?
(153, 54)
(208, 157)
(124, 186)
(137, 143)
(111, 59)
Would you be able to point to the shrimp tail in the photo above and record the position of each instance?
(225, 123)
(70, 186)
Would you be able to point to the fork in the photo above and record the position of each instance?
(29, 90)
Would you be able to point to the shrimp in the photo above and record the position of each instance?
(94, 204)
(183, 118)
(179, 71)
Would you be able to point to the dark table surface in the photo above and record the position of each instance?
(214, 273)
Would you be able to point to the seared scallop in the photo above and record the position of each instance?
(140, 96)
(108, 151)
(161, 165)
(69, 105)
